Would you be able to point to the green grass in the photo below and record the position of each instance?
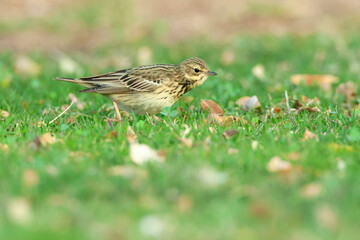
(75, 197)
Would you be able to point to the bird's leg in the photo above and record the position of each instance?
(149, 118)
(117, 111)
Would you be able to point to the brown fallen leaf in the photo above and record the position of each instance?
(230, 133)
(111, 135)
(274, 113)
(186, 141)
(249, 103)
(220, 120)
(297, 104)
(278, 110)
(212, 106)
(309, 135)
(241, 101)
(323, 81)
(308, 101)
(131, 135)
(309, 109)
(276, 164)
(47, 139)
(348, 89)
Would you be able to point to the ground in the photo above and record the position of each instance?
(287, 168)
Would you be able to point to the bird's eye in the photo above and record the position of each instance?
(196, 70)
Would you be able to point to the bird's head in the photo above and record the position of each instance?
(195, 70)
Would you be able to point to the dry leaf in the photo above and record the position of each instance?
(348, 89)
(130, 135)
(241, 101)
(311, 190)
(212, 106)
(73, 98)
(222, 120)
(4, 114)
(309, 135)
(19, 211)
(276, 164)
(309, 109)
(186, 141)
(227, 57)
(24, 65)
(47, 139)
(30, 178)
(309, 101)
(258, 71)
(111, 135)
(229, 133)
(276, 110)
(142, 153)
(248, 103)
(323, 81)
(326, 216)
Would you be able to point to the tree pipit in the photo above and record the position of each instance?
(147, 89)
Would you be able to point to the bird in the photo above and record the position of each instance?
(146, 89)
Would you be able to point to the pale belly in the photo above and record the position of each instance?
(142, 103)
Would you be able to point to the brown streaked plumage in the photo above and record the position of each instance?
(147, 89)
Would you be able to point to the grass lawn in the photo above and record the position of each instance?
(281, 176)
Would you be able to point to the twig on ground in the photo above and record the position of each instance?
(287, 102)
(72, 102)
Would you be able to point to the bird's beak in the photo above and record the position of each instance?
(211, 73)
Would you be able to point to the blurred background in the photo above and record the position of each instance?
(66, 25)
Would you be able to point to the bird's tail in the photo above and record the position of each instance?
(67, 79)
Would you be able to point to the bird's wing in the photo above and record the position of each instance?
(142, 79)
